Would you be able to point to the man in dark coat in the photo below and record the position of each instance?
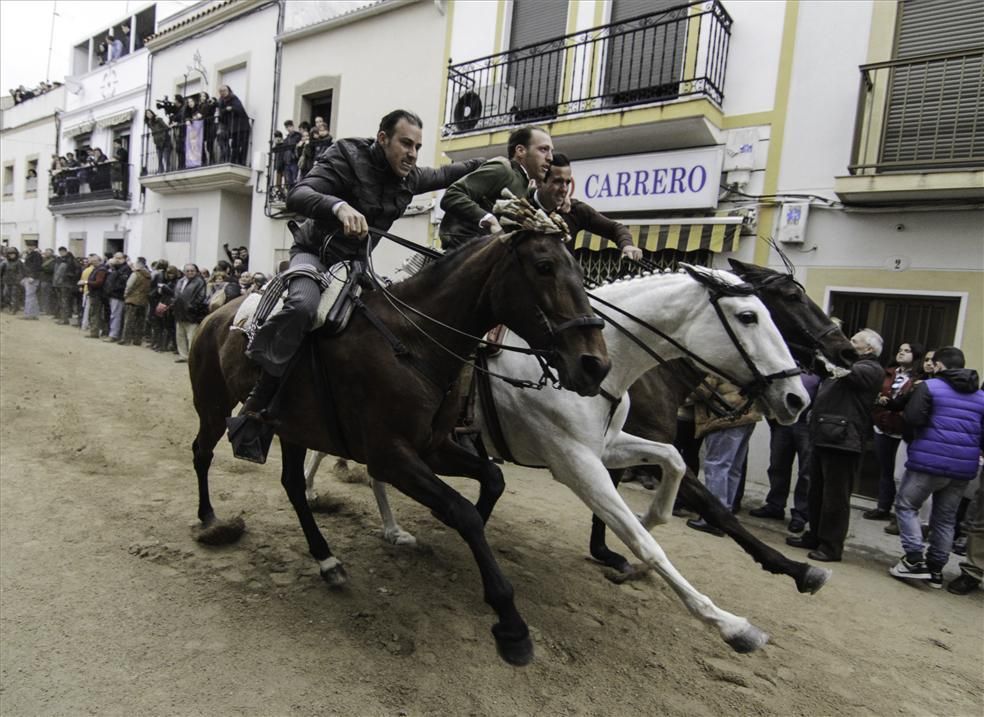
(233, 117)
(65, 284)
(97, 298)
(357, 183)
(468, 202)
(840, 421)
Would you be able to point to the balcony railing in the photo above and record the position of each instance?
(288, 163)
(920, 114)
(196, 144)
(89, 183)
(666, 55)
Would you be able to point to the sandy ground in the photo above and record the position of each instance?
(108, 606)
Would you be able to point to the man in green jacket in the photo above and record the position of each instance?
(468, 202)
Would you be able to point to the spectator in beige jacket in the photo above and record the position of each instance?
(725, 442)
(135, 298)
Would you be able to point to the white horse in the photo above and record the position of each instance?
(579, 438)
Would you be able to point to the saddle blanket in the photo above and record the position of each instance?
(335, 281)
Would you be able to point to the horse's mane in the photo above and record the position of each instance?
(717, 279)
(435, 272)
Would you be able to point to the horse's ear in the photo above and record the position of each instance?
(739, 266)
(694, 273)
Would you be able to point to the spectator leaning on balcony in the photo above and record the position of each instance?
(161, 134)
(468, 202)
(234, 119)
(119, 169)
(115, 47)
(291, 138)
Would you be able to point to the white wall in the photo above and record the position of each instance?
(753, 55)
(28, 132)
(831, 43)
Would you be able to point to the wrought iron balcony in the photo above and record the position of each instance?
(95, 188)
(288, 163)
(198, 154)
(667, 55)
(920, 114)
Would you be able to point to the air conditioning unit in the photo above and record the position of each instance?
(477, 108)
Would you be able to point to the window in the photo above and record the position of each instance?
(646, 63)
(536, 74)
(31, 179)
(76, 243)
(30, 240)
(8, 180)
(179, 229)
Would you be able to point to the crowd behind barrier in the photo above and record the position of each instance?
(196, 131)
(123, 301)
(293, 153)
(129, 303)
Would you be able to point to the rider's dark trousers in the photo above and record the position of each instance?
(281, 335)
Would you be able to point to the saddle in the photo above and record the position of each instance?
(340, 287)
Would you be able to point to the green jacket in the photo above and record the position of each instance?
(472, 197)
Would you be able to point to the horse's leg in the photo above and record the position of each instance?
(392, 532)
(309, 472)
(292, 478)
(408, 473)
(599, 548)
(586, 476)
(695, 496)
(626, 450)
(450, 459)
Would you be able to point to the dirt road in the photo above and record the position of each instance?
(108, 607)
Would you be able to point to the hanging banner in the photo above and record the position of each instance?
(194, 141)
(688, 179)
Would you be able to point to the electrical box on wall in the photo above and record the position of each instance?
(792, 222)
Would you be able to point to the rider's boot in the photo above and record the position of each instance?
(252, 430)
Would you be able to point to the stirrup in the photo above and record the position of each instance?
(250, 438)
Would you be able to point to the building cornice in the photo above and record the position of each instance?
(341, 20)
(214, 15)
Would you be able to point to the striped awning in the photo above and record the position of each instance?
(81, 128)
(117, 118)
(716, 234)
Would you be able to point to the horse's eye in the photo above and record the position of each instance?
(748, 317)
(544, 268)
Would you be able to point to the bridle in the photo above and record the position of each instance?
(751, 390)
(547, 357)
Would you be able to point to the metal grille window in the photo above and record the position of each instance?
(646, 63)
(934, 109)
(179, 230)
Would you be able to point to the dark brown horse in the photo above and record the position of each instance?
(383, 393)
(656, 396)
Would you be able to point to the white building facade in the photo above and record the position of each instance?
(27, 141)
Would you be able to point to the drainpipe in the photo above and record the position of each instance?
(277, 62)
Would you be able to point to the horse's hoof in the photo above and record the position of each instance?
(334, 574)
(625, 573)
(221, 532)
(516, 650)
(748, 640)
(813, 579)
(324, 504)
(399, 537)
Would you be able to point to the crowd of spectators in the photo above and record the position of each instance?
(89, 169)
(196, 131)
(23, 94)
(122, 300)
(294, 152)
(932, 497)
(925, 411)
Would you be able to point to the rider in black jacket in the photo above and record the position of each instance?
(357, 183)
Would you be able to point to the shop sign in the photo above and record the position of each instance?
(687, 179)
